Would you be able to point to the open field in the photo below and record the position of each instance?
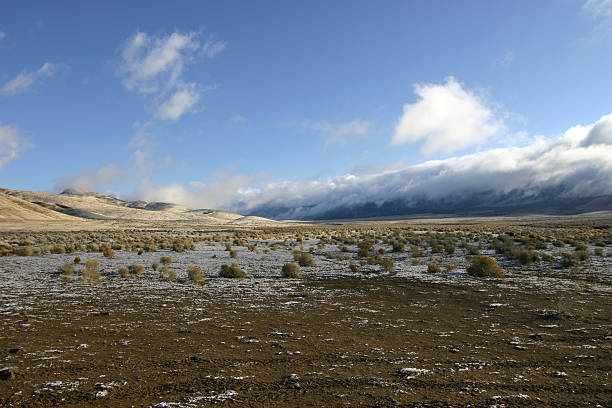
(372, 323)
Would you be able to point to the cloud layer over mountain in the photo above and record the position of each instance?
(577, 164)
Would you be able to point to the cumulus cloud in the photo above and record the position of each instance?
(447, 117)
(179, 103)
(25, 80)
(89, 179)
(340, 133)
(11, 144)
(155, 66)
(576, 164)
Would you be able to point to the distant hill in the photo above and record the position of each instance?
(16, 209)
(74, 204)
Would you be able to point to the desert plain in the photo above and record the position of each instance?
(119, 312)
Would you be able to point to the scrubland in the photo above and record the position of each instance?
(494, 312)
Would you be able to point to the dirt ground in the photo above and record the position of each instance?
(318, 342)
(542, 336)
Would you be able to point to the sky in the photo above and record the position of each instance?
(238, 105)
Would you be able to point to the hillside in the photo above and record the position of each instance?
(78, 205)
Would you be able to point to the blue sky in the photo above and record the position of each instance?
(213, 103)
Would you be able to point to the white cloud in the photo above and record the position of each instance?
(149, 63)
(11, 144)
(601, 9)
(196, 194)
(211, 48)
(89, 179)
(576, 164)
(155, 65)
(447, 118)
(340, 133)
(180, 102)
(2, 35)
(25, 80)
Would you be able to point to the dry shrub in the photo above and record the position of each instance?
(484, 266)
(125, 273)
(136, 269)
(108, 252)
(232, 271)
(167, 273)
(304, 259)
(91, 274)
(434, 268)
(291, 270)
(195, 273)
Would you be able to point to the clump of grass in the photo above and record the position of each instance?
(67, 270)
(155, 266)
(77, 260)
(582, 255)
(233, 254)
(165, 260)
(354, 268)
(195, 274)
(232, 271)
(416, 252)
(472, 249)
(434, 268)
(58, 249)
(387, 264)
(568, 260)
(304, 259)
(108, 252)
(125, 273)
(167, 273)
(25, 251)
(291, 270)
(484, 266)
(398, 246)
(136, 269)
(91, 274)
(364, 249)
(451, 267)
(527, 257)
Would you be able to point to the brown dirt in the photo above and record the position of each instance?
(187, 346)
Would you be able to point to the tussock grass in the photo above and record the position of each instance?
(484, 266)
(232, 271)
(291, 270)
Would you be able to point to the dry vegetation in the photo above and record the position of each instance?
(363, 296)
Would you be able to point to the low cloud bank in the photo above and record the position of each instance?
(578, 164)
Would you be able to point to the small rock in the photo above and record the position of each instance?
(454, 350)
(537, 337)
(559, 374)
(7, 374)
